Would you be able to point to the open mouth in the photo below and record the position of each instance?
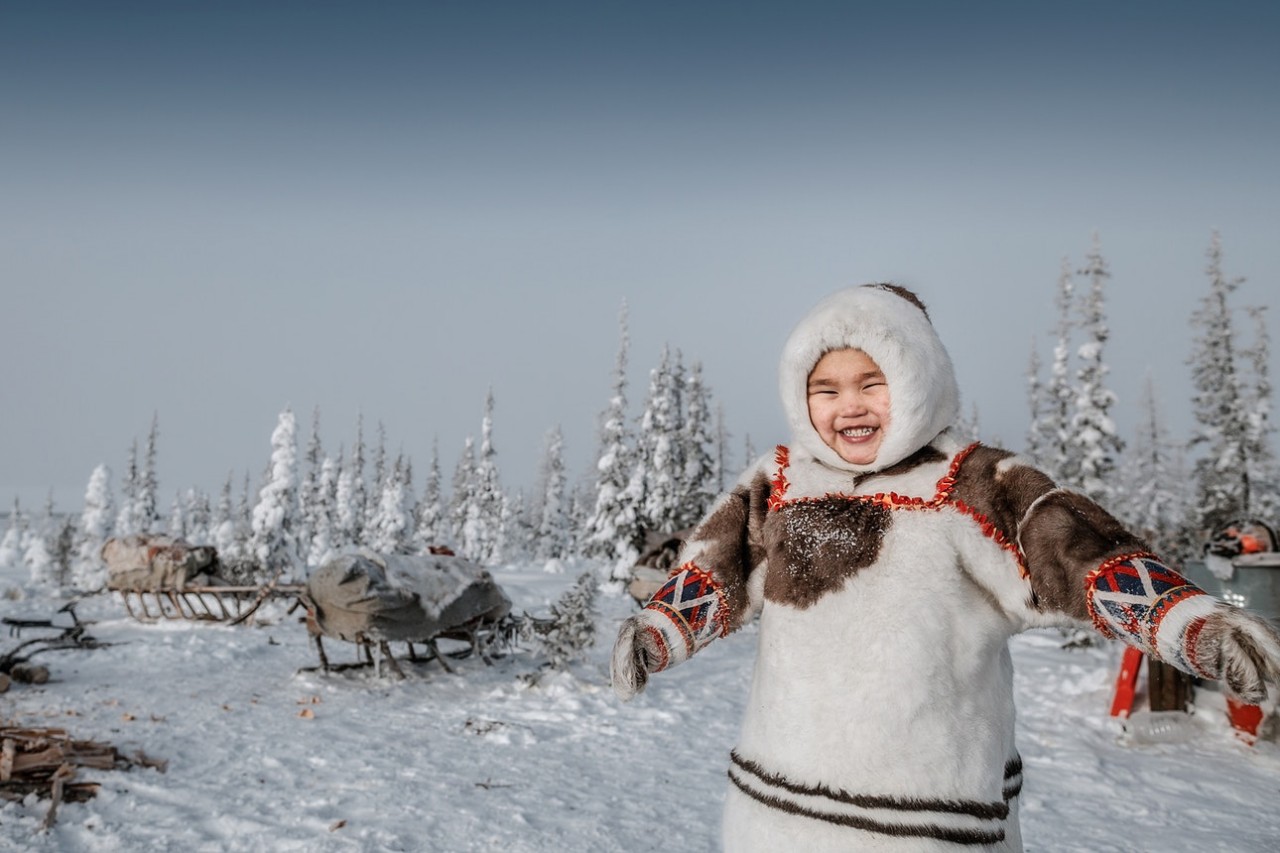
(858, 432)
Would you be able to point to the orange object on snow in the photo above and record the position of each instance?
(1126, 682)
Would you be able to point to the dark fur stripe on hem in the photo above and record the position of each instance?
(986, 811)
(1013, 778)
(957, 836)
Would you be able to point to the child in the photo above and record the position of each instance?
(889, 563)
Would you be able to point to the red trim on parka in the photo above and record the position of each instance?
(894, 501)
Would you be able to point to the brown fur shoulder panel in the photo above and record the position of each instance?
(1065, 536)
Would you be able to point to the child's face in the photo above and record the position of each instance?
(849, 404)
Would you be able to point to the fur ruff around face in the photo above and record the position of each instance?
(890, 326)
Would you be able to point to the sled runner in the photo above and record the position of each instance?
(373, 600)
(159, 577)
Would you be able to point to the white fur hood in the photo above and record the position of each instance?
(890, 325)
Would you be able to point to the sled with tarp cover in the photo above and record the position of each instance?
(162, 577)
(373, 600)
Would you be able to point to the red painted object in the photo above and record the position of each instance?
(1244, 718)
(1126, 682)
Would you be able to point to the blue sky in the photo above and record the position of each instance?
(211, 211)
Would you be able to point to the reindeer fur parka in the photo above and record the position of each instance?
(881, 711)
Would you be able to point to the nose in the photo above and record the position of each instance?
(853, 405)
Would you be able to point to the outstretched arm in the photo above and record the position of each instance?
(1083, 565)
(1131, 594)
(706, 597)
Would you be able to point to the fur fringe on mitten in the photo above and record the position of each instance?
(1244, 648)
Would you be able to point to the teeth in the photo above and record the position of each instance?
(858, 432)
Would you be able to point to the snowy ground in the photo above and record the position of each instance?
(483, 761)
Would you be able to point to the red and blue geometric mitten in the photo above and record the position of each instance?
(1138, 599)
(688, 612)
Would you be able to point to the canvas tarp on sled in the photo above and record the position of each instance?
(154, 562)
(366, 596)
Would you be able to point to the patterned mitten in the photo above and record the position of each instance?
(1241, 648)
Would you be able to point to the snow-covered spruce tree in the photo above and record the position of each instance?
(309, 484)
(658, 452)
(391, 526)
(429, 525)
(13, 542)
(346, 516)
(380, 471)
(1038, 441)
(700, 481)
(517, 528)
(1095, 442)
(358, 500)
(482, 533)
(461, 492)
(1060, 459)
(748, 450)
(38, 550)
(176, 525)
(1220, 434)
(551, 539)
(274, 542)
(969, 427)
(1264, 476)
(222, 525)
(1155, 503)
(610, 530)
(721, 455)
(88, 571)
(200, 517)
(129, 520)
(322, 546)
(571, 630)
(244, 518)
(148, 482)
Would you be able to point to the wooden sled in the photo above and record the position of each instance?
(230, 604)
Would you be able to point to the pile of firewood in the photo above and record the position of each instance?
(46, 762)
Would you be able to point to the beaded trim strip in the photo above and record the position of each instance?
(892, 500)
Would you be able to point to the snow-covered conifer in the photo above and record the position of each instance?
(571, 631)
(358, 499)
(748, 450)
(429, 524)
(129, 519)
(700, 481)
(1154, 502)
(1264, 476)
(1038, 442)
(38, 551)
(176, 526)
(1095, 442)
(610, 528)
(148, 496)
(552, 533)
(482, 534)
(463, 488)
(1220, 433)
(88, 571)
(275, 517)
(657, 458)
(391, 525)
(13, 543)
(309, 484)
(223, 527)
(517, 528)
(380, 471)
(968, 427)
(721, 454)
(1059, 459)
(322, 546)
